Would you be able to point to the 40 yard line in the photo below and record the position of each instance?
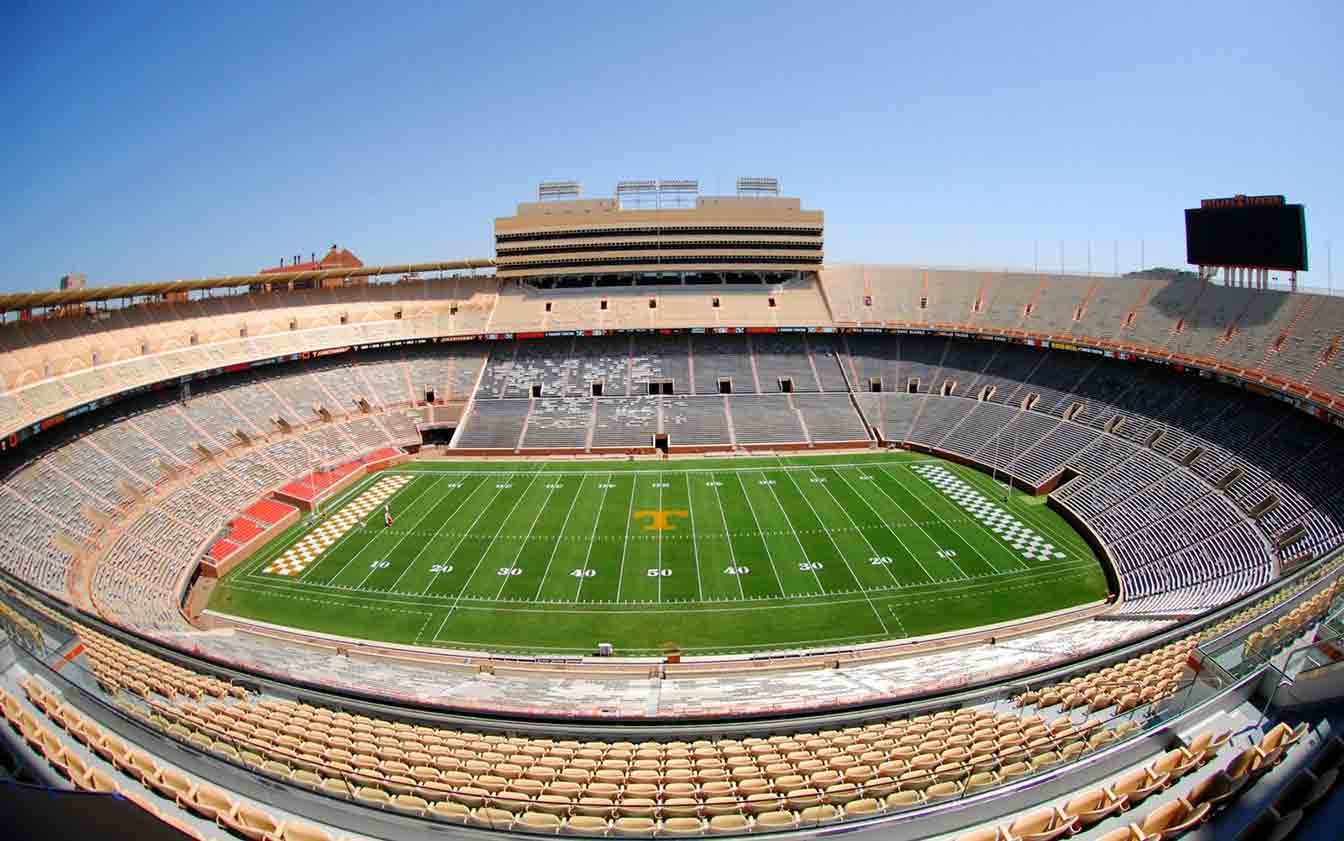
(559, 538)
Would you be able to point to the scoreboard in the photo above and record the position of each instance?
(1255, 232)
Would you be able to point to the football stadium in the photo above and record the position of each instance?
(656, 523)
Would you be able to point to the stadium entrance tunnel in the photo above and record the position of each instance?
(442, 435)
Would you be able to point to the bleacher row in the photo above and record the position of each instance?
(627, 422)
(142, 492)
(1288, 335)
(778, 781)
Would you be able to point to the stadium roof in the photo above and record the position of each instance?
(58, 298)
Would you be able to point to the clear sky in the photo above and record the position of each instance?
(157, 141)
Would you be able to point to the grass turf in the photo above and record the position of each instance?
(753, 555)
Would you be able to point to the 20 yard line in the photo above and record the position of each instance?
(889, 529)
(843, 559)
(498, 490)
(430, 541)
(560, 537)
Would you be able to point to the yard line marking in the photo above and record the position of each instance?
(486, 550)
(467, 533)
(1012, 553)
(522, 544)
(843, 559)
(695, 552)
(587, 556)
(340, 506)
(314, 545)
(890, 531)
(768, 554)
(558, 538)
(660, 539)
(403, 537)
(821, 590)
(918, 498)
(430, 540)
(741, 591)
(625, 543)
(871, 547)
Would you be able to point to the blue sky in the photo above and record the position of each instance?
(150, 142)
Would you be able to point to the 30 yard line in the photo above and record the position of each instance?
(821, 590)
(560, 537)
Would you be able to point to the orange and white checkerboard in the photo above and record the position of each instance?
(297, 557)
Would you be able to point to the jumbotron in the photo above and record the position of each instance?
(656, 523)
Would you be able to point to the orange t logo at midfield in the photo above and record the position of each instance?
(660, 520)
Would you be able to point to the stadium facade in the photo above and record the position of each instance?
(156, 434)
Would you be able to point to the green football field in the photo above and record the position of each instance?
(714, 556)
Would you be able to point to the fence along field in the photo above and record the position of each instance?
(713, 556)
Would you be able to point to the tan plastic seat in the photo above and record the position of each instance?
(1173, 819)
(297, 831)
(634, 827)
(683, 826)
(1040, 825)
(774, 821)
(1216, 789)
(250, 822)
(814, 815)
(584, 825)
(1137, 785)
(449, 811)
(904, 800)
(728, 825)
(1091, 807)
(539, 822)
(866, 807)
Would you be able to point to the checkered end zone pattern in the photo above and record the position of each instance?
(1024, 541)
(301, 554)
